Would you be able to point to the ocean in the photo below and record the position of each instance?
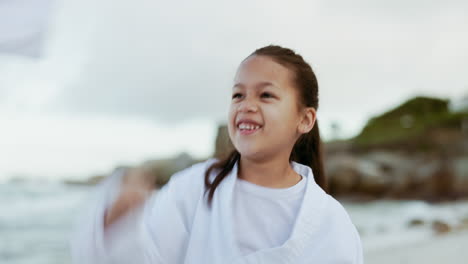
(36, 219)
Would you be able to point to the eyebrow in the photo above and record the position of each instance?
(258, 86)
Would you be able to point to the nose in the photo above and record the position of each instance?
(248, 105)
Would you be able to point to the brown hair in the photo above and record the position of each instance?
(308, 148)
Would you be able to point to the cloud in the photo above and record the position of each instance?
(175, 62)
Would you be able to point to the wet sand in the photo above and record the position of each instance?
(448, 248)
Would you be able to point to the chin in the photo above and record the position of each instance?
(251, 154)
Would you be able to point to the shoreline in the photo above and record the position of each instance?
(445, 248)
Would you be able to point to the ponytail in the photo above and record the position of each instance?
(308, 151)
(225, 166)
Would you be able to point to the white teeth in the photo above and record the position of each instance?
(248, 126)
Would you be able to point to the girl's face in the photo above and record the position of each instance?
(264, 117)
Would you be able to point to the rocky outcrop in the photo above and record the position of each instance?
(460, 165)
(163, 169)
(223, 144)
(90, 181)
(159, 171)
(398, 175)
(418, 150)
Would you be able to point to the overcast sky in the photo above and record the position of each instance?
(124, 81)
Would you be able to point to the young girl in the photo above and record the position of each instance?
(263, 203)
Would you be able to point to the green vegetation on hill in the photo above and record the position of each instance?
(412, 119)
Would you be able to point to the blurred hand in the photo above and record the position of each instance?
(137, 185)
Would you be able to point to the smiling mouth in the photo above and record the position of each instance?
(247, 129)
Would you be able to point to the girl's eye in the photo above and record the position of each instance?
(236, 95)
(267, 95)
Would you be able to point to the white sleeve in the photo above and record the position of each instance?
(125, 241)
(168, 217)
(359, 253)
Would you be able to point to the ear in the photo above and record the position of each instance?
(308, 120)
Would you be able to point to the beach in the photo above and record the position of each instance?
(412, 231)
(448, 248)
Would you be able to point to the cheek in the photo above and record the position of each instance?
(276, 116)
(231, 117)
(282, 121)
(231, 111)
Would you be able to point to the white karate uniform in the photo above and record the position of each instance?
(264, 217)
(176, 226)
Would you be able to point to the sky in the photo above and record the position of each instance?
(120, 82)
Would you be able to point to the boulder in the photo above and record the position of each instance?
(416, 222)
(342, 173)
(396, 167)
(460, 165)
(440, 227)
(432, 179)
(372, 179)
(163, 169)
